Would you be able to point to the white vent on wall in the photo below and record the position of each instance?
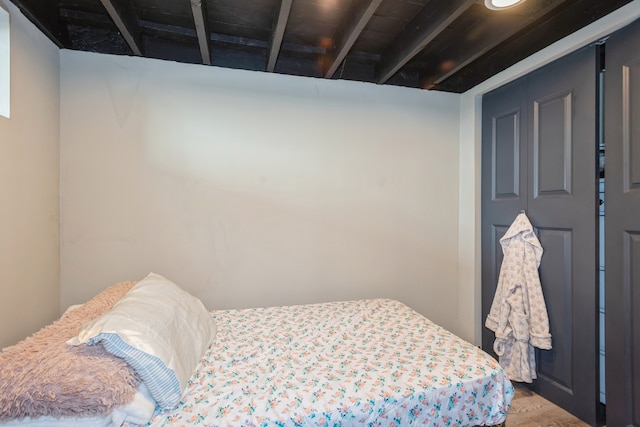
(4, 61)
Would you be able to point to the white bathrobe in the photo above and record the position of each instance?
(518, 315)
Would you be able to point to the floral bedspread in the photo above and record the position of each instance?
(355, 363)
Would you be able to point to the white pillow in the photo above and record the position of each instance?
(160, 330)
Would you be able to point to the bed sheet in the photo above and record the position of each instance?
(370, 362)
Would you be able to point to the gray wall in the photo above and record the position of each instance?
(253, 189)
(29, 148)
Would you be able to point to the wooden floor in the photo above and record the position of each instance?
(530, 410)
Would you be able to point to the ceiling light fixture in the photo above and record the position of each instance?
(501, 4)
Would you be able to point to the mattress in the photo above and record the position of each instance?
(355, 363)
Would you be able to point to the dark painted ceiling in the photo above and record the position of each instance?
(449, 45)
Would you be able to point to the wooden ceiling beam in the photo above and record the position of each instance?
(201, 20)
(356, 20)
(275, 41)
(240, 43)
(498, 28)
(573, 16)
(82, 18)
(425, 27)
(124, 16)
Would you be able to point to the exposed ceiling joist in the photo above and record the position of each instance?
(124, 17)
(76, 17)
(445, 45)
(424, 28)
(164, 30)
(356, 20)
(562, 21)
(277, 34)
(503, 27)
(201, 20)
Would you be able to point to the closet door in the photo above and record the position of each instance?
(504, 181)
(562, 202)
(554, 129)
(622, 227)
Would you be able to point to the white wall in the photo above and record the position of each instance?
(253, 189)
(29, 147)
(469, 304)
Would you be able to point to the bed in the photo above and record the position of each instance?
(358, 363)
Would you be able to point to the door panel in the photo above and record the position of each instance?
(545, 124)
(622, 227)
(630, 127)
(552, 145)
(562, 199)
(556, 365)
(506, 155)
(631, 288)
(504, 133)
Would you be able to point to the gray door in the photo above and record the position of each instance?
(504, 181)
(556, 159)
(622, 227)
